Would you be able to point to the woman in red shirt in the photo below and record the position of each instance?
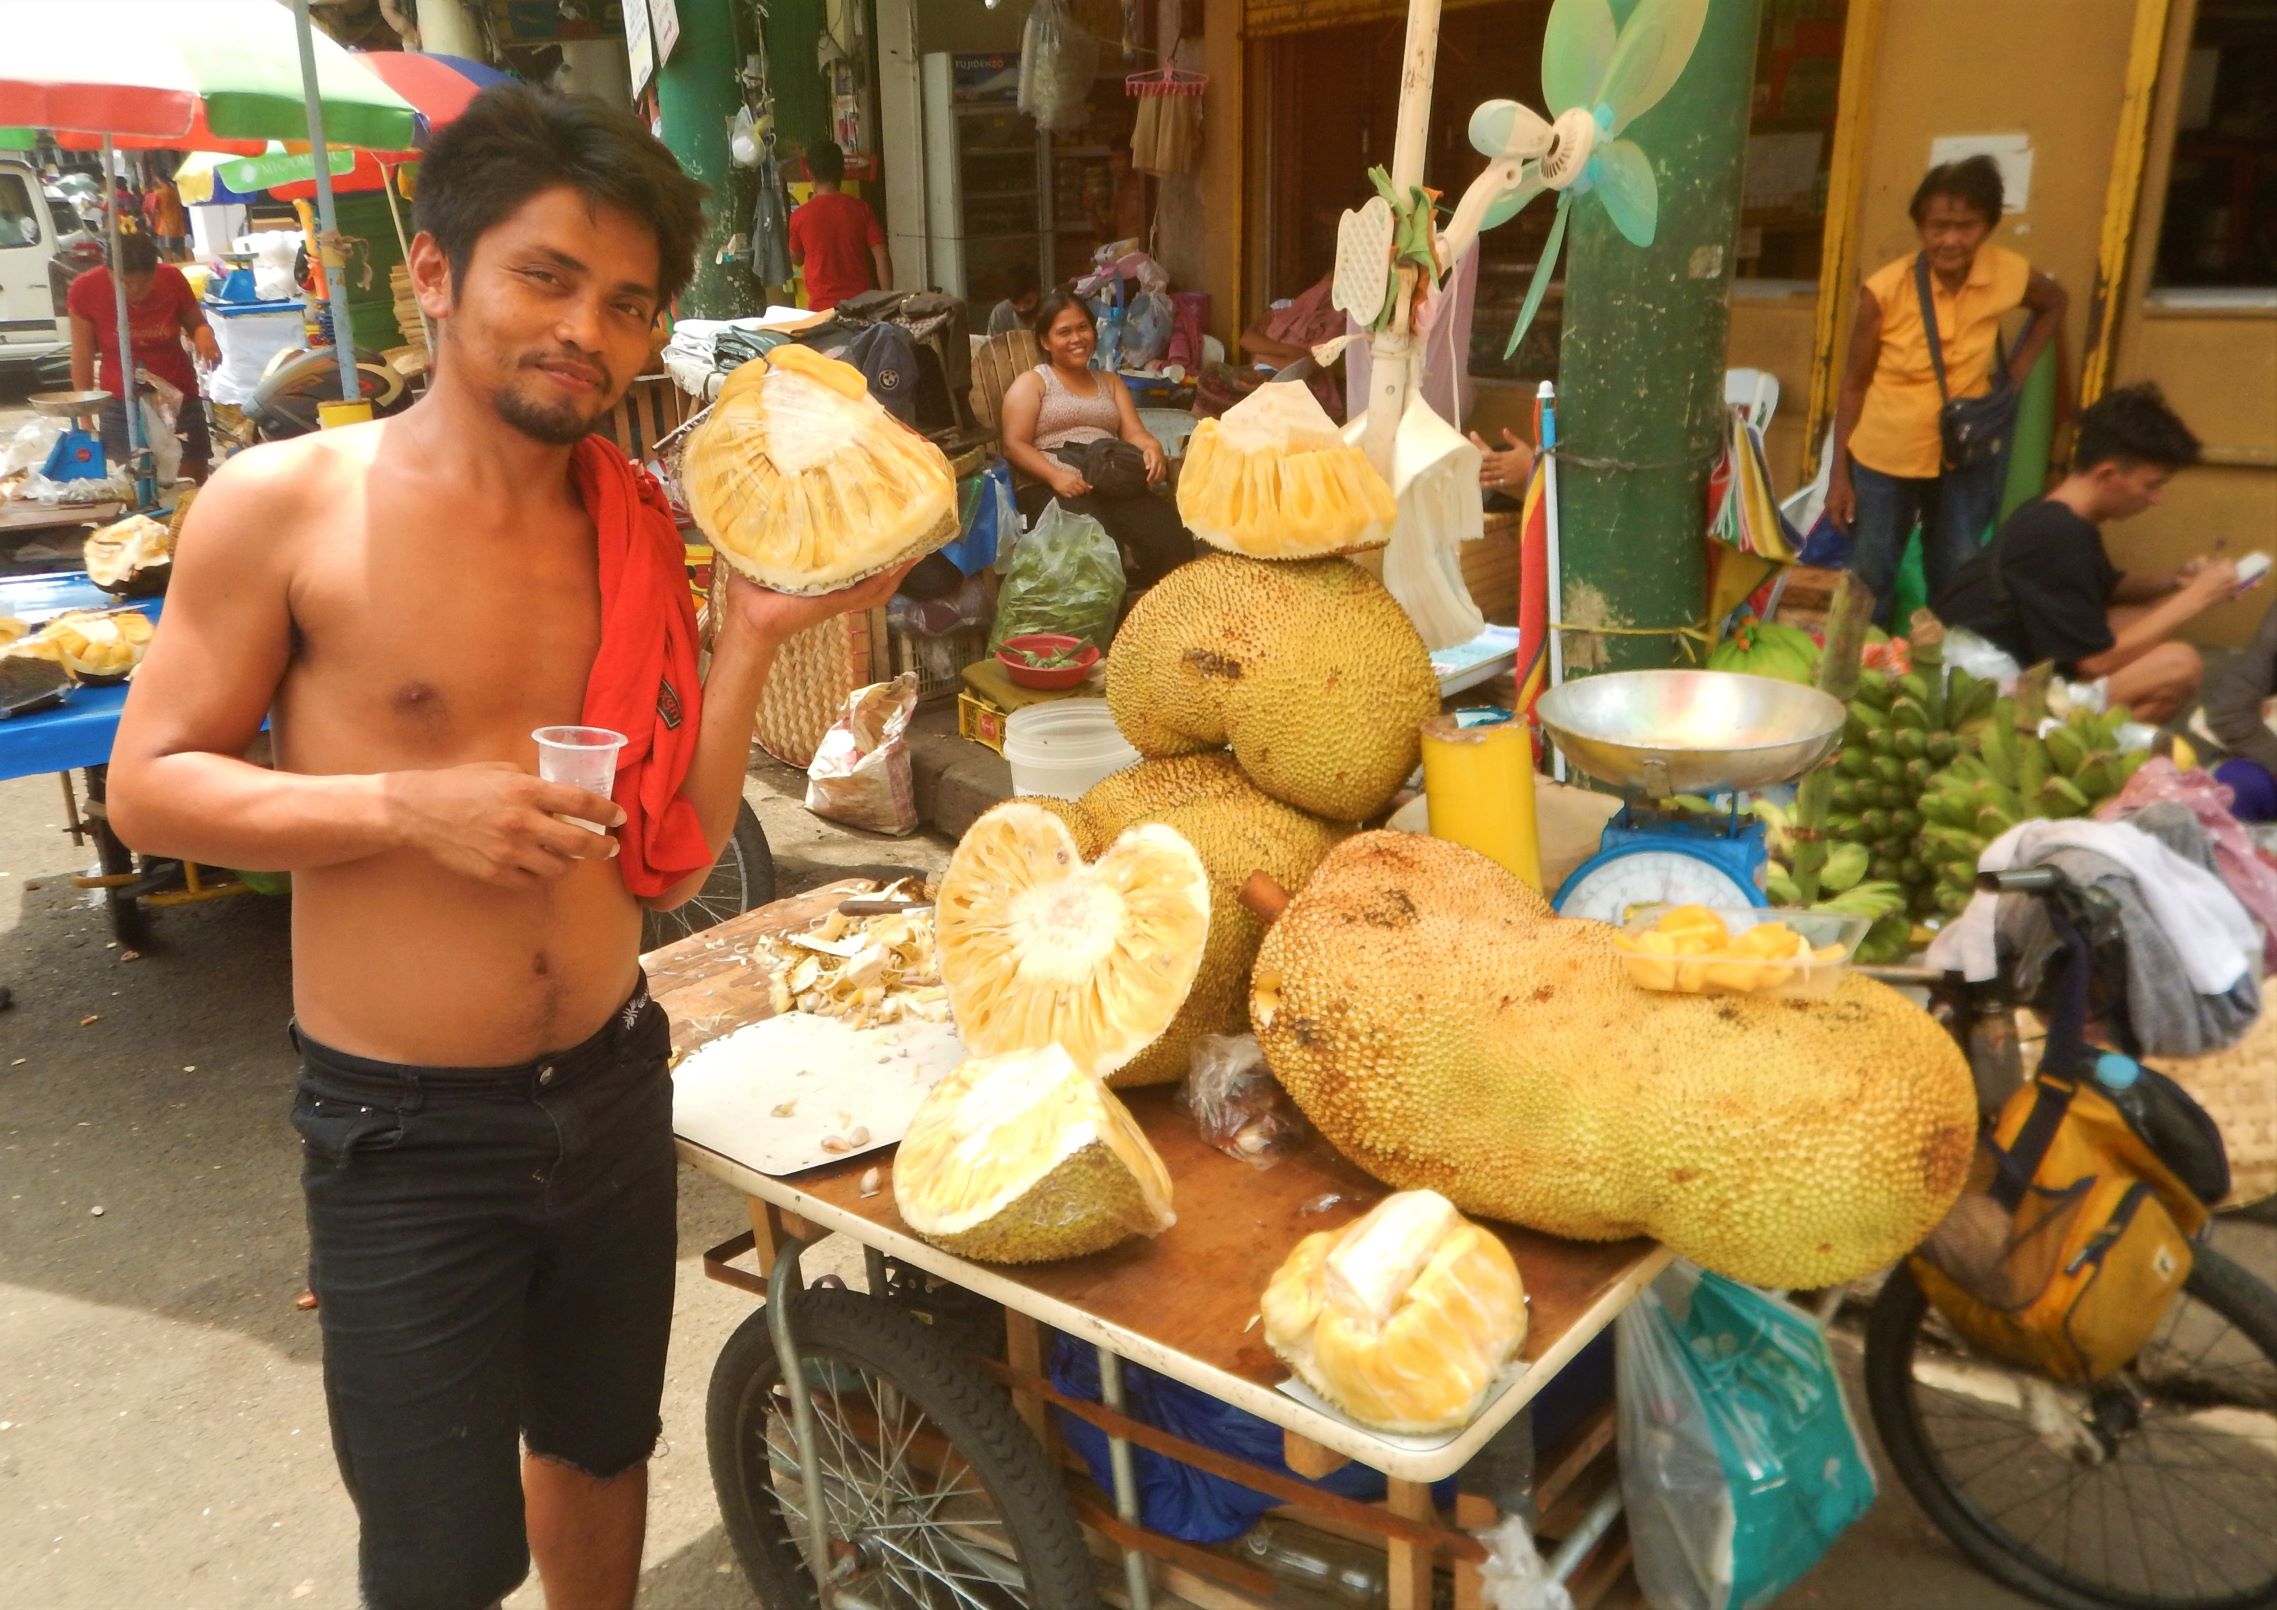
(161, 309)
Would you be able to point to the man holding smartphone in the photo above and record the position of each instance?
(2044, 589)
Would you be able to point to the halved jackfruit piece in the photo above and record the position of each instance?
(131, 557)
(1039, 949)
(1403, 1318)
(1274, 479)
(1024, 1157)
(93, 645)
(805, 484)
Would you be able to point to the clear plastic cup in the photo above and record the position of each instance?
(582, 757)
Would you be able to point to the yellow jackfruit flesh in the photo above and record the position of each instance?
(1310, 672)
(130, 552)
(1274, 479)
(1403, 1319)
(804, 483)
(1236, 829)
(93, 645)
(1024, 1157)
(1444, 1031)
(1037, 948)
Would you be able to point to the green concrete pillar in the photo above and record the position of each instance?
(1641, 364)
(802, 97)
(697, 98)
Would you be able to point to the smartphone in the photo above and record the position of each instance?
(2251, 569)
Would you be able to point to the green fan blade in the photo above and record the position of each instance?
(1649, 57)
(1577, 47)
(1508, 205)
(1491, 125)
(1542, 271)
(1626, 185)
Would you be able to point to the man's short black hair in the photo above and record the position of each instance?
(2133, 425)
(1972, 181)
(826, 162)
(514, 142)
(138, 254)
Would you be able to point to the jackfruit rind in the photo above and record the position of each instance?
(1403, 1319)
(1236, 828)
(1024, 1157)
(1443, 1030)
(1037, 948)
(804, 483)
(1274, 479)
(1309, 671)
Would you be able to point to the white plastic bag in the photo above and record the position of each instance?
(29, 447)
(1514, 1575)
(860, 774)
(1057, 59)
(1237, 1103)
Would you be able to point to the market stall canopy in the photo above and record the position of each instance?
(438, 88)
(220, 75)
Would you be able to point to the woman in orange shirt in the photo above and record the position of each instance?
(1889, 459)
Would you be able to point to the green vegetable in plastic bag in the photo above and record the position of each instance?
(1064, 576)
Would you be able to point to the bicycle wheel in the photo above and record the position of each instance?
(742, 877)
(2153, 1490)
(936, 1496)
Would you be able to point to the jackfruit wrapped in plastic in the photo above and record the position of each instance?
(1023, 1158)
(131, 555)
(1273, 478)
(1038, 949)
(93, 645)
(805, 484)
(1403, 1319)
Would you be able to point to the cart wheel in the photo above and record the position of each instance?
(937, 1496)
(742, 878)
(2138, 1493)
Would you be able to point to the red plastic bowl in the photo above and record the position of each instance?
(1029, 676)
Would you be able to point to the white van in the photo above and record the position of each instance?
(42, 246)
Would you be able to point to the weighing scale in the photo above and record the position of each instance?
(78, 452)
(1653, 734)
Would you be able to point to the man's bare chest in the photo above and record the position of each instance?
(444, 650)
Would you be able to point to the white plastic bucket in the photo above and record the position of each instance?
(1063, 747)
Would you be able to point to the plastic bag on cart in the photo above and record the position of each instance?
(1740, 1463)
(1237, 1102)
(1147, 329)
(1514, 1576)
(1175, 1498)
(860, 775)
(29, 447)
(1064, 576)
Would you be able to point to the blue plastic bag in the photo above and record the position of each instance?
(1740, 1463)
(990, 519)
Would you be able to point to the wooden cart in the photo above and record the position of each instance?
(1182, 1305)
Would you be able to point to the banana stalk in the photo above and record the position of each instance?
(1847, 618)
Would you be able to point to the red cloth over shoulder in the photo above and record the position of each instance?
(644, 682)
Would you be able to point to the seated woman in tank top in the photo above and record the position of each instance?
(1064, 402)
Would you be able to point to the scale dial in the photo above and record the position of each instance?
(1615, 882)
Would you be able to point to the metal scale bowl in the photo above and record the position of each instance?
(1654, 734)
(78, 452)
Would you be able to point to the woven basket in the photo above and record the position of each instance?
(809, 684)
(2239, 1087)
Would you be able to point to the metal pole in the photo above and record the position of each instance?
(327, 216)
(130, 400)
(782, 1285)
(1135, 1577)
(1553, 562)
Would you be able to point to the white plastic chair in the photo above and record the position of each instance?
(1756, 390)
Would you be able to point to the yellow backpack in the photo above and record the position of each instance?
(2071, 1240)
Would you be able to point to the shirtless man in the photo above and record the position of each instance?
(483, 1100)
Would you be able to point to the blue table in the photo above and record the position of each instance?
(79, 733)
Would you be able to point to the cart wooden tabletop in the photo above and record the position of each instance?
(1184, 1303)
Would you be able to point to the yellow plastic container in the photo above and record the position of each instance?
(1478, 778)
(330, 415)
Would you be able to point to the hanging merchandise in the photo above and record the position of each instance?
(1166, 136)
(1057, 60)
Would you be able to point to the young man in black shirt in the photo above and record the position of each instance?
(2044, 589)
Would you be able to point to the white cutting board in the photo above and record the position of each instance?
(836, 1078)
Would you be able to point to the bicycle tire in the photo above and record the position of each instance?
(1893, 1328)
(972, 1413)
(742, 879)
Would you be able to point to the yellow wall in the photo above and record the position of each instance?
(2219, 370)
